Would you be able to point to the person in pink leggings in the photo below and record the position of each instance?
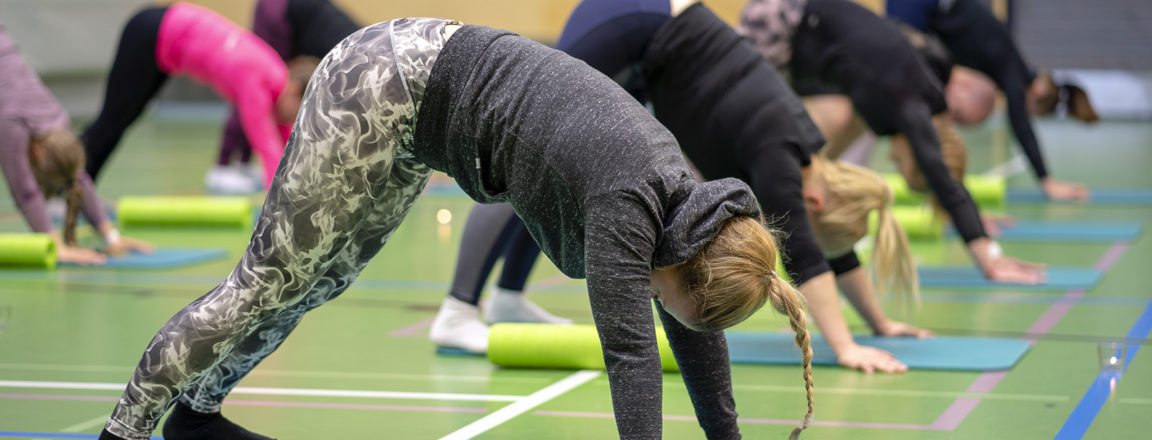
(185, 39)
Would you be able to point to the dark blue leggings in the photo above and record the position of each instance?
(491, 232)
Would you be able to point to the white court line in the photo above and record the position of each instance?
(85, 425)
(284, 373)
(278, 391)
(523, 405)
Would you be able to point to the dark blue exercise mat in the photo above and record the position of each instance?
(968, 277)
(163, 258)
(1102, 196)
(938, 353)
(1069, 232)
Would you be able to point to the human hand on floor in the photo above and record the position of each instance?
(1011, 270)
(79, 255)
(1057, 190)
(868, 359)
(125, 245)
(896, 328)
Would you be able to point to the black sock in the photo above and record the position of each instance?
(184, 423)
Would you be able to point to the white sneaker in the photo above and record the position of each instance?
(228, 179)
(255, 175)
(458, 325)
(511, 306)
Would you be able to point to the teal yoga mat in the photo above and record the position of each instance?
(968, 277)
(1069, 232)
(1112, 196)
(939, 353)
(163, 258)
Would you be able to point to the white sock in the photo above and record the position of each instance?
(458, 325)
(511, 306)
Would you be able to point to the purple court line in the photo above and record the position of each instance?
(961, 407)
(412, 329)
(936, 426)
(264, 403)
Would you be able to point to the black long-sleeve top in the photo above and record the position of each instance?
(977, 39)
(844, 45)
(603, 189)
(731, 112)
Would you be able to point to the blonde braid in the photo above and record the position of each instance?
(786, 300)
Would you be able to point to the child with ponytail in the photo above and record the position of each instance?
(41, 158)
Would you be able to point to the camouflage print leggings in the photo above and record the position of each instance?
(346, 181)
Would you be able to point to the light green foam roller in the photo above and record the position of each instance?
(27, 250)
(556, 347)
(985, 190)
(185, 211)
(919, 222)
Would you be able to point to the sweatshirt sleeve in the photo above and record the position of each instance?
(17, 170)
(1014, 83)
(258, 117)
(915, 120)
(620, 240)
(778, 185)
(703, 361)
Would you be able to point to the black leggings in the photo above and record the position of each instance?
(133, 81)
(493, 231)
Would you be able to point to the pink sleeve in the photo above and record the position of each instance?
(258, 117)
(17, 170)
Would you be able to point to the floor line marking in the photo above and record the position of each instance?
(282, 373)
(523, 405)
(1103, 385)
(751, 421)
(986, 381)
(267, 403)
(1008, 168)
(277, 391)
(99, 420)
(412, 329)
(908, 393)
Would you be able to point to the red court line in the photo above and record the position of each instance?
(412, 329)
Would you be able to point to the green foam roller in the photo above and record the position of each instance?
(985, 190)
(553, 346)
(196, 211)
(27, 250)
(919, 222)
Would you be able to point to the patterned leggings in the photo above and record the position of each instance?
(346, 181)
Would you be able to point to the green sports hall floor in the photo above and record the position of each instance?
(361, 366)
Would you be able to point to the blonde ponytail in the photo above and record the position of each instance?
(853, 193)
(735, 275)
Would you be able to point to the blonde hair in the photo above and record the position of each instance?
(951, 147)
(853, 193)
(735, 275)
(57, 168)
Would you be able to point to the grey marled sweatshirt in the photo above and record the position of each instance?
(603, 189)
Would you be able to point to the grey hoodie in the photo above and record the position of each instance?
(602, 188)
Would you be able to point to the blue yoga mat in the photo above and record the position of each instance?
(163, 258)
(1069, 232)
(1112, 196)
(939, 353)
(967, 277)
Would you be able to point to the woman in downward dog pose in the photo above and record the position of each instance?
(838, 43)
(977, 39)
(40, 157)
(600, 184)
(185, 39)
(293, 28)
(733, 116)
